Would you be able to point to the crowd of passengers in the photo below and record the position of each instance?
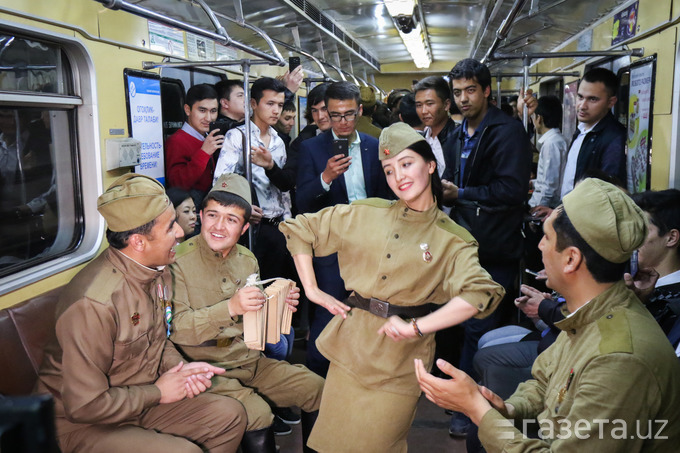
(407, 226)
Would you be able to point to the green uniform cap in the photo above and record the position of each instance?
(606, 218)
(233, 183)
(396, 138)
(131, 201)
(367, 96)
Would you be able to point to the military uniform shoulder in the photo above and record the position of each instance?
(186, 247)
(96, 286)
(374, 202)
(241, 250)
(615, 332)
(452, 227)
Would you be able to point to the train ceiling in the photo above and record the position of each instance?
(360, 37)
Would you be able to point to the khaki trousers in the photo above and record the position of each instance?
(211, 422)
(269, 381)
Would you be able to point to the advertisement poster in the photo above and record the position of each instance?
(145, 123)
(639, 125)
(625, 24)
(166, 39)
(302, 106)
(200, 48)
(569, 110)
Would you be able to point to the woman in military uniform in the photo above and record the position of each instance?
(412, 271)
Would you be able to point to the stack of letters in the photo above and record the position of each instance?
(268, 323)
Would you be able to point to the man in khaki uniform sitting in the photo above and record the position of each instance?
(611, 381)
(118, 383)
(209, 301)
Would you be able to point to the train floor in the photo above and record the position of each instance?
(429, 432)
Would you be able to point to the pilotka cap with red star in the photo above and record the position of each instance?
(396, 138)
(233, 183)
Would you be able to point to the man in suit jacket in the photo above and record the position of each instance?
(326, 178)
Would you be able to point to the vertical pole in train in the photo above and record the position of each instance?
(245, 69)
(526, 61)
(499, 79)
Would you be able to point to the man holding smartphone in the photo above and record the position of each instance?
(328, 176)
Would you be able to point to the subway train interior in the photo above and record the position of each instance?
(91, 89)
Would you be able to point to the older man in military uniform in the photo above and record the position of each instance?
(118, 382)
(611, 381)
(211, 297)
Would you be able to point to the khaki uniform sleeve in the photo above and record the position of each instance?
(171, 357)
(192, 326)
(606, 410)
(87, 356)
(316, 234)
(469, 281)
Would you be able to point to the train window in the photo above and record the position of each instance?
(191, 76)
(48, 153)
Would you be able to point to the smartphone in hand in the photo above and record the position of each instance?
(293, 62)
(341, 146)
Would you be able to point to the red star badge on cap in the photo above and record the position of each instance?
(386, 151)
(224, 185)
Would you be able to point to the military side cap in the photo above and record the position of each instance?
(396, 138)
(233, 183)
(131, 201)
(606, 218)
(367, 96)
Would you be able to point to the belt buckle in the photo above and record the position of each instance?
(378, 307)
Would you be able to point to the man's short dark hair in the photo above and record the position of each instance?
(436, 83)
(608, 78)
(472, 69)
(119, 239)
(266, 83)
(227, 199)
(318, 94)
(343, 91)
(602, 270)
(550, 109)
(199, 92)
(289, 106)
(663, 207)
(407, 110)
(225, 87)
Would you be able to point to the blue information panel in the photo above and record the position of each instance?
(144, 120)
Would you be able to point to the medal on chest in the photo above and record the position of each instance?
(164, 298)
(427, 256)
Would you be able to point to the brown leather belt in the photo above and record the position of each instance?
(385, 309)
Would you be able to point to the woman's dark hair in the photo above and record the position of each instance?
(425, 151)
(177, 195)
(602, 270)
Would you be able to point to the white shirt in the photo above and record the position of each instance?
(436, 146)
(273, 202)
(669, 279)
(551, 162)
(572, 159)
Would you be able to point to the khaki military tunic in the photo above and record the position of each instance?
(380, 248)
(110, 348)
(610, 383)
(203, 329)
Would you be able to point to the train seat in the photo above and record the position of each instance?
(25, 329)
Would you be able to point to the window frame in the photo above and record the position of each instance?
(85, 144)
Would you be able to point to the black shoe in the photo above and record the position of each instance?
(280, 427)
(259, 441)
(460, 425)
(286, 415)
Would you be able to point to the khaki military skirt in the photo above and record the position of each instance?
(354, 418)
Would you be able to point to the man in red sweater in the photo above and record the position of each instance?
(189, 152)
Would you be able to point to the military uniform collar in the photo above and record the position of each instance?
(614, 297)
(133, 269)
(409, 214)
(209, 255)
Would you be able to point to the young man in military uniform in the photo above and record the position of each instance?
(211, 297)
(611, 381)
(118, 382)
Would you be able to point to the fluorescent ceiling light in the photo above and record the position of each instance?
(415, 44)
(400, 7)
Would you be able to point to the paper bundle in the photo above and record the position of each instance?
(268, 323)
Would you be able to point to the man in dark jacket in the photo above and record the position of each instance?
(487, 180)
(599, 143)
